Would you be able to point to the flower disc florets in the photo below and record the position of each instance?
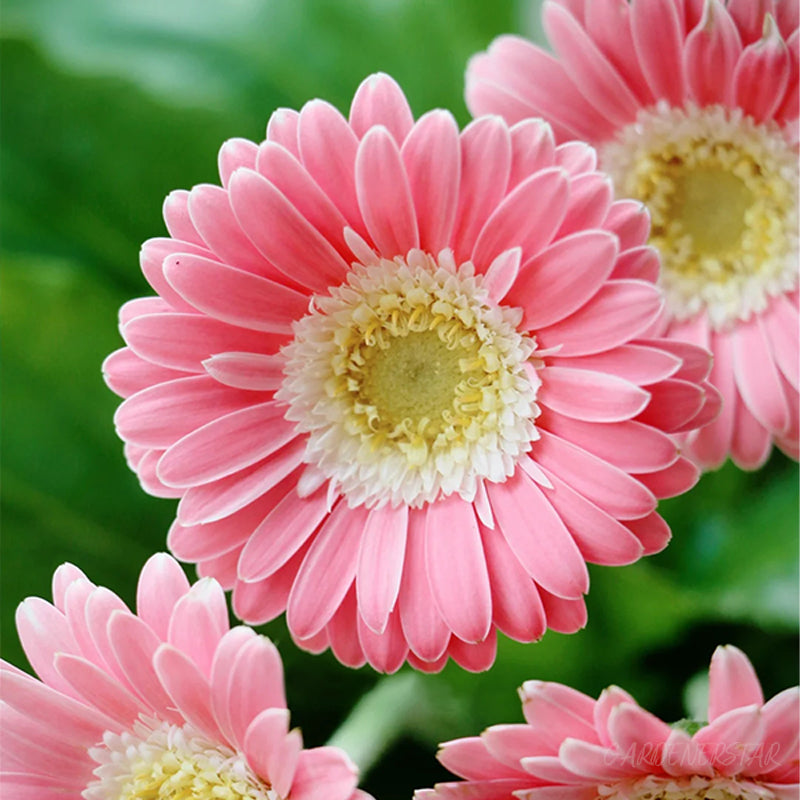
(411, 383)
(722, 193)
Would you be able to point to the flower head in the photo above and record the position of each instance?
(693, 107)
(576, 748)
(402, 379)
(168, 702)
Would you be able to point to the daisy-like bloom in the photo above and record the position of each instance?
(166, 703)
(397, 375)
(577, 748)
(693, 107)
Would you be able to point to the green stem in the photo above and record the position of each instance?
(379, 718)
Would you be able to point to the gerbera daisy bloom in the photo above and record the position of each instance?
(576, 748)
(168, 702)
(393, 374)
(693, 107)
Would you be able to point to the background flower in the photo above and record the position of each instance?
(168, 700)
(575, 747)
(693, 107)
(97, 92)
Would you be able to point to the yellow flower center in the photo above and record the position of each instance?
(167, 762)
(722, 195)
(411, 383)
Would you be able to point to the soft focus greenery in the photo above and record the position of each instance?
(110, 104)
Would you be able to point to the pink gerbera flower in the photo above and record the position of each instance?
(393, 373)
(693, 107)
(576, 748)
(165, 703)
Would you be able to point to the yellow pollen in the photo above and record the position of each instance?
(722, 196)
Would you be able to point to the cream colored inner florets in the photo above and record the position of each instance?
(722, 195)
(411, 383)
(694, 787)
(159, 761)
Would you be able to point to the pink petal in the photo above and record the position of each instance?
(432, 159)
(672, 403)
(757, 377)
(516, 606)
(283, 762)
(277, 474)
(637, 363)
(638, 734)
(615, 315)
(380, 565)
(710, 55)
(600, 538)
(260, 602)
(324, 773)
(590, 197)
(151, 259)
(595, 762)
(380, 101)
(765, 63)
(780, 326)
(641, 263)
(658, 39)
(328, 151)
(162, 583)
(751, 442)
(528, 217)
(125, 373)
(628, 220)
(532, 149)
(675, 479)
(563, 277)
(253, 683)
(732, 682)
(384, 194)
(386, 651)
(474, 657)
(732, 738)
(591, 396)
(158, 416)
(199, 621)
(176, 216)
(456, 568)
(265, 738)
(631, 446)
(595, 77)
(502, 273)
(327, 572)
(545, 549)
(281, 533)
(282, 128)
(470, 758)
(283, 234)
(133, 644)
(651, 531)
(226, 445)
(557, 711)
(613, 490)
(233, 295)
(485, 165)
(425, 630)
(237, 153)
(781, 732)
(563, 616)
(252, 371)
(578, 159)
(188, 689)
(211, 211)
(681, 755)
(100, 689)
(345, 645)
(290, 177)
(43, 632)
(183, 341)
(609, 699)
(64, 576)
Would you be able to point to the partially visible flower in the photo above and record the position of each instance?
(165, 703)
(576, 748)
(693, 107)
(402, 380)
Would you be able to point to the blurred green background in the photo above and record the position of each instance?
(108, 105)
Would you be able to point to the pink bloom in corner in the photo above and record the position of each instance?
(693, 107)
(402, 379)
(576, 748)
(165, 703)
